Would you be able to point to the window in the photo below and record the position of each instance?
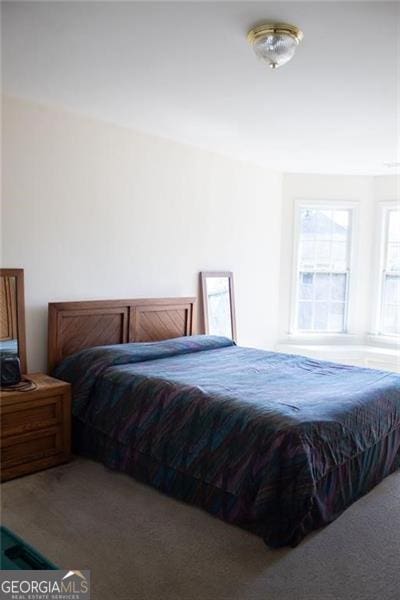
(323, 269)
(389, 322)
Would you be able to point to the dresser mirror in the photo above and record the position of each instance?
(12, 315)
(218, 303)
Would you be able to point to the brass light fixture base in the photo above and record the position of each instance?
(260, 31)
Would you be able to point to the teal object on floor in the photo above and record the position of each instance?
(17, 554)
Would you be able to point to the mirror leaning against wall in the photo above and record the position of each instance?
(218, 303)
(12, 315)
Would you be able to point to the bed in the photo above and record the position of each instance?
(276, 443)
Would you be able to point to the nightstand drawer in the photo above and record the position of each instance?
(38, 414)
(35, 426)
(31, 446)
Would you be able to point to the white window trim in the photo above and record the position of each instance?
(321, 337)
(376, 335)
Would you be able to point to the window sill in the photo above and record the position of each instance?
(363, 355)
(328, 339)
(386, 341)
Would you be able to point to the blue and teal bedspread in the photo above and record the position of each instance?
(276, 443)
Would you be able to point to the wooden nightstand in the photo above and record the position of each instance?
(35, 427)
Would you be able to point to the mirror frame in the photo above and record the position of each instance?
(229, 275)
(19, 281)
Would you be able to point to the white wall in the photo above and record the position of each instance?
(387, 188)
(91, 210)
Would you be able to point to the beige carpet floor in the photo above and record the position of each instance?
(141, 545)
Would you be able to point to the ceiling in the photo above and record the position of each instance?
(183, 70)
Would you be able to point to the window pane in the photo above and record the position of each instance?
(324, 239)
(321, 316)
(338, 287)
(322, 286)
(306, 286)
(393, 256)
(307, 254)
(323, 224)
(392, 289)
(323, 269)
(391, 323)
(339, 256)
(341, 219)
(391, 304)
(394, 226)
(336, 316)
(393, 241)
(322, 301)
(390, 309)
(305, 315)
(323, 254)
(308, 226)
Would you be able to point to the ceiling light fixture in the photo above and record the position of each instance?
(275, 43)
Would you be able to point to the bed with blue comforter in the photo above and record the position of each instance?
(278, 444)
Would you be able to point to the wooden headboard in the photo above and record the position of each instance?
(74, 326)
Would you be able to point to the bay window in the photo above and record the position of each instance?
(389, 309)
(322, 274)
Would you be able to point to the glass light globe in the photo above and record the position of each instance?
(275, 43)
(276, 49)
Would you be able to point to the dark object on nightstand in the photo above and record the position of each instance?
(10, 370)
(35, 426)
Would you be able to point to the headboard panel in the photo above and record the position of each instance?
(74, 326)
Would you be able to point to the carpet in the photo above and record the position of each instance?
(141, 545)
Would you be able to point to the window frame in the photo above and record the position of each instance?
(382, 247)
(322, 335)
